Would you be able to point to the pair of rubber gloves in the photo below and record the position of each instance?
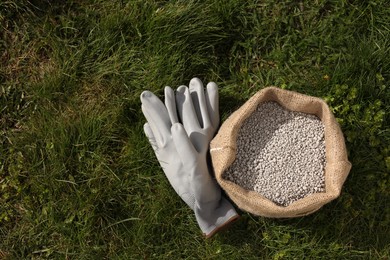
(180, 133)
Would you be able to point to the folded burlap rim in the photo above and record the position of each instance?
(223, 152)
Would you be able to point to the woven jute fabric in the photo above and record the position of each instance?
(223, 153)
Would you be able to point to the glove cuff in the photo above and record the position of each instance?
(212, 221)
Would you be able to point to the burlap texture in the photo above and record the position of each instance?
(223, 152)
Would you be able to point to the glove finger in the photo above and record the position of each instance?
(212, 101)
(149, 134)
(186, 109)
(199, 102)
(157, 116)
(170, 104)
(184, 147)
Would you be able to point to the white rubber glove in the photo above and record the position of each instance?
(158, 131)
(182, 151)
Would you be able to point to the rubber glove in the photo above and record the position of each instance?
(182, 150)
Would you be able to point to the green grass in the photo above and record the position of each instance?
(78, 178)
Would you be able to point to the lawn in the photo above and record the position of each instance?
(78, 178)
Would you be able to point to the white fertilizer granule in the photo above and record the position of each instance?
(280, 154)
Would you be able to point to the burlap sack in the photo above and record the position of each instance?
(223, 153)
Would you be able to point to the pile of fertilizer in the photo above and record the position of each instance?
(280, 154)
